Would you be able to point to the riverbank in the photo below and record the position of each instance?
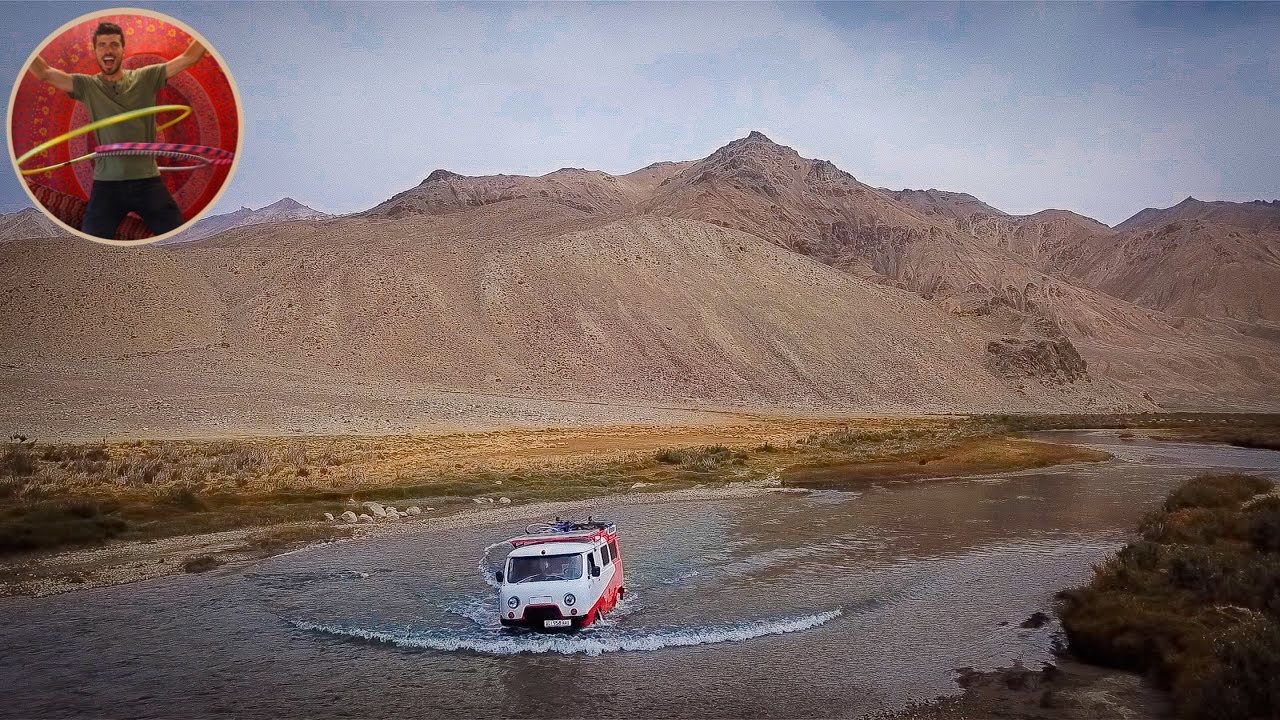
(1066, 690)
(1181, 622)
(79, 516)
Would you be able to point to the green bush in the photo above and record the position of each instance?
(1241, 678)
(1129, 631)
(703, 459)
(1195, 602)
(1216, 491)
(1210, 574)
(49, 524)
(1263, 525)
(1193, 525)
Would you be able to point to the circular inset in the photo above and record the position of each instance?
(83, 126)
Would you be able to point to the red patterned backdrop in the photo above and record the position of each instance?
(41, 112)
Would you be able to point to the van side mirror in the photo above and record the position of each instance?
(498, 576)
(595, 572)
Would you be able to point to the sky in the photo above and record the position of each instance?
(1103, 109)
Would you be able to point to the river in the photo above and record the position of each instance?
(777, 605)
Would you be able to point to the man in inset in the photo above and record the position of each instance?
(132, 182)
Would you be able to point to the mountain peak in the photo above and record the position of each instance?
(755, 143)
(442, 174)
(285, 204)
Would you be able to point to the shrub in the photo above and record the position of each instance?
(186, 498)
(1206, 572)
(1193, 525)
(1241, 678)
(846, 437)
(202, 563)
(1129, 631)
(1263, 525)
(703, 459)
(18, 460)
(1216, 491)
(1196, 601)
(11, 486)
(50, 524)
(670, 456)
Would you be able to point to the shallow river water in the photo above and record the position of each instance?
(781, 605)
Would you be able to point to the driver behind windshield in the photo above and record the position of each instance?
(542, 569)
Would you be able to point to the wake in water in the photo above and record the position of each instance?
(486, 567)
(687, 574)
(586, 643)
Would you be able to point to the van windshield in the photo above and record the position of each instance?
(544, 567)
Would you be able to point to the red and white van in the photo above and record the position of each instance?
(561, 575)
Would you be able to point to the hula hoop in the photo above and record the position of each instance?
(217, 156)
(201, 161)
(114, 119)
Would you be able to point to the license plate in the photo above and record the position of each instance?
(556, 623)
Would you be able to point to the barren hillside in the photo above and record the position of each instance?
(752, 278)
(282, 210)
(1197, 259)
(27, 223)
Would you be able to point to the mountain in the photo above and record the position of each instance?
(283, 210)
(589, 191)
(638, 308)
(811, 206)
(952, 205)
(750, 278)
(1217, 260)
(1256, 215)
(27, 223)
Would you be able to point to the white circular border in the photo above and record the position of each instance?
(235, 95)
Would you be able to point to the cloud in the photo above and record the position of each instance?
(1098, 109)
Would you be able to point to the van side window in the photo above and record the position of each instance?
(604, 555)
(591, 563)
(613, 547)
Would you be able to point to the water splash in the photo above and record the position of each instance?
(586, 643)
(481, 611)
(486, 570)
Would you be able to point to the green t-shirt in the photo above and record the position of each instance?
(136, 90)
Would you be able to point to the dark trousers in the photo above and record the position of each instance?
(111, 200)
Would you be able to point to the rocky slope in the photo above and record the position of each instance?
(588, 191)
(753, 277)
(1197, 259)
(27, 223)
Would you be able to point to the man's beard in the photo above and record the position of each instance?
(109, 71)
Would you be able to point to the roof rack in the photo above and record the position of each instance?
(559, 526)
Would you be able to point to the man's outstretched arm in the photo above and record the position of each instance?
(189, 57)
(51, 75)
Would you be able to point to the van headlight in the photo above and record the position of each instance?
(513, 602)
(569, 599)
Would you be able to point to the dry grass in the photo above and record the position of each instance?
(150, 489)
(971, 456)
(1260, 437)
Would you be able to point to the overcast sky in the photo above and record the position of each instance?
(1101, 109)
